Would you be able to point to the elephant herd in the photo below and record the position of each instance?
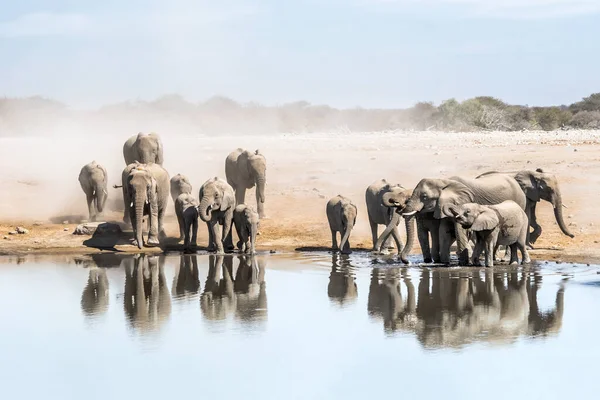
(146, 186)
(447, 308)
(147, 298)
(479, 214)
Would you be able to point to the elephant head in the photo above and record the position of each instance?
(539, 185)
(214, 197)
(149, 148)
(141, 191)
(425, 196)
(474, 216)
(397, 197)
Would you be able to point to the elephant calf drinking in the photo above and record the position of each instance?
(341, 214)
(245, 220)
(501, 224)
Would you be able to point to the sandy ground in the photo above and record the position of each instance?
(40, 188)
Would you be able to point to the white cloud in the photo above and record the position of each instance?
(520, 9)
(44, 24)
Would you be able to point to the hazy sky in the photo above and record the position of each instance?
(372, 53)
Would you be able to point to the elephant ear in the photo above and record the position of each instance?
(529, 183)
(454, 193)
(485, 221)
(228, 200)
(453, 210)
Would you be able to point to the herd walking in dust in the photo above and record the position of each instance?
(477, 214)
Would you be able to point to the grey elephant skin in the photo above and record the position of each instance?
(180, 184)
(341, 214)
(93, 180)
(538, 185)
(143, 148)
(502, 224)
(186, 209)
(382, 214)
(217, 203)
(146, 192)
(435, 195)
(244, 170)
(246, 222)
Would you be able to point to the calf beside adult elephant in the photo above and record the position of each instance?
(217, 204)
(436, 195)
(537, 185)
(244, 170)
(143, 148)
(146, 192)
(382, 200)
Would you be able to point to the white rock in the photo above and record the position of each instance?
(22, 231)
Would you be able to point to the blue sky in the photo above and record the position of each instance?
(346, 53)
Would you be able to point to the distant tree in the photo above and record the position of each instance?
(591, 103)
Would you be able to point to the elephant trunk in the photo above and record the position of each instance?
(204, 209)
(100, 198)
(345, 238)
(410, 237)
(558, 214)
(260, 188)
(139, 216)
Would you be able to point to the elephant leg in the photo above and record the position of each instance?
(373, 234)
(154, 221)
(227, 234)
(214, 227)
(423, 236)
(463, 248)
(91, 207)
(182, 223)
(161, 218)
(479, 246)
(489, 253)
(397, 239)
(435, 247)
(212, 243)
(195, 232)
(444, 243)
(514, 257)
(240, 195)
(521, 245)
(186, 234)
(334, 244)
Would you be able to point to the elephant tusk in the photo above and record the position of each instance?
(93, 193)
(131, 205)
(104, 191)
(409, 213)
(565, 206)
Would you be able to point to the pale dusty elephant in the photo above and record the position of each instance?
(186, 209)
(246, 223)
(341, 214)
(342, 280)
(180, 184)
(244, 170)
(94, 298)
(503, 224)
(93, 180)
(435, 195)
(538, 185)
(217, 203)
(382, 214)
(143, 148)
(146, 300)
(218, 299)
(250, 289)
(146, 192)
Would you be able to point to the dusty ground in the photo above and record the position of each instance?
(40, 188)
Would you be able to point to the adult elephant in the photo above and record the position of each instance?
(244, 170)
(436, 195)
(143, 148)
(537, 185)
(380, 196)
(146, 192)
(217, 203)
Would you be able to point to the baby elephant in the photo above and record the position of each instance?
(341, 213)
(246, 222)
(186, 209)
(179, 185)
(92, 179)
(501, 224)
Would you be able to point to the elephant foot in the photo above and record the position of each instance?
(153, 241)
(211, 249)
(134, 243)
(428, 260)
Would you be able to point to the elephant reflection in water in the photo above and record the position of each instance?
(147, 301)
(246, 296)
(186, 282)
(458, 308)
(386, 301)
(342, 282)
(542, 324)
(94, 298)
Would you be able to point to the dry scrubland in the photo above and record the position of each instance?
(40, 188)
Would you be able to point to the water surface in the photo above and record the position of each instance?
(309, 326)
